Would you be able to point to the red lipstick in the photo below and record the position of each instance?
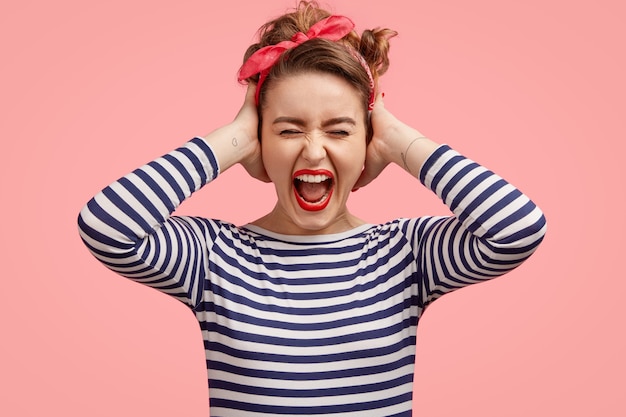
(305, 174)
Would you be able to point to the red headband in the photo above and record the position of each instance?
(332, 28)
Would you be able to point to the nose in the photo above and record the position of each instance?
(314, 150)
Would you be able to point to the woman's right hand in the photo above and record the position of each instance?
(238, 142)
(247, 122)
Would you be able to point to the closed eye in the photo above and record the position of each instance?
(341, 133)
(289, 132)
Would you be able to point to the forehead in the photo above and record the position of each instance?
(313, 95)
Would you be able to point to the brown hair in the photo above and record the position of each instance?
(321, 55)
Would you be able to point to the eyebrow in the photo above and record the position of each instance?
(326, 123)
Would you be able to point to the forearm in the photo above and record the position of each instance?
(134, 206)
(409, 149)
(394, 142)
(489, 207)
(494, 229)
(127, 226)
(231, 145)
(238, 142)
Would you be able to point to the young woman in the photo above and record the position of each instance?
(310, 310)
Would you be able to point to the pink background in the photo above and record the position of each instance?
(534, 90)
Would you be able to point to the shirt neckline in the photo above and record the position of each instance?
(322, 238)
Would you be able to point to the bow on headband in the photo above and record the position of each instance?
(332, 28)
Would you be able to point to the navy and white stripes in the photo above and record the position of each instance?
(309, 325)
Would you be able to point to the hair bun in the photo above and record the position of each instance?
(374, 46)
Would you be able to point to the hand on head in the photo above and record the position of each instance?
(379, 149)
(314, 40)
(248, 122)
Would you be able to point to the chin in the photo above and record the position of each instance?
(319, 222)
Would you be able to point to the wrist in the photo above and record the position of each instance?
(415, 153)
(244, 134)
(231, 145)
(399, 138)
(410, 148)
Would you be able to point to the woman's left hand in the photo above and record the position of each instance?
(391, 138)
(375, 159)
(380, 149)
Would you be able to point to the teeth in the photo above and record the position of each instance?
(312, 178)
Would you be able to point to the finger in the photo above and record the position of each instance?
(371, 170)
(378, 101)
(258, 171)
(262, 176)
(250, 92)
(365, 178)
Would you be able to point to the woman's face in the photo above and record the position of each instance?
(313, 146)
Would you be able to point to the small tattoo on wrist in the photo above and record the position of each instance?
(234, 142)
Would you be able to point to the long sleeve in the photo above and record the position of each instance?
(127, 226)
(495, 226)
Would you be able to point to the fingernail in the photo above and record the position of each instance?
(383, 94)
(355, 189)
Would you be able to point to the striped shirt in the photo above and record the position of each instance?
(309, 325)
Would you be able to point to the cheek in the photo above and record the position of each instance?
(361, 150)
(267, 154)
(359, 163)
(277, 158)
(269, 158)
(353, 160)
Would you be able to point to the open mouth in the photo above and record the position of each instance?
(313, 188)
